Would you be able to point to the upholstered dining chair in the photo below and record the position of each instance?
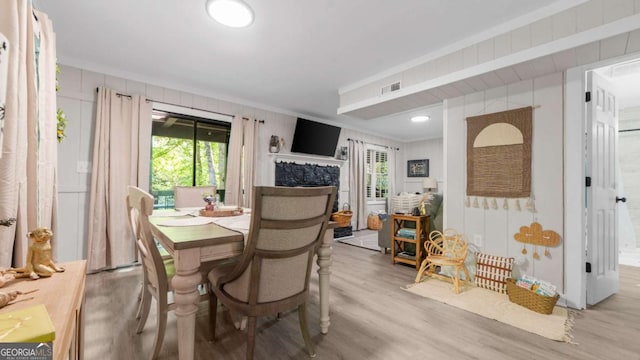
(445, 249)
(191, 196)
(272, 275)
(157, 271)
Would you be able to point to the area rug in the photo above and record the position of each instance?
(365, 240)
(490, 304)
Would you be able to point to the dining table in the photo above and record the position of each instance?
(193, 240)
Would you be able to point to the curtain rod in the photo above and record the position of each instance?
(628, 130)
(188, 107)
(385, 146)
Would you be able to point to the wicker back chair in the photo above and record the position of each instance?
(445, 249)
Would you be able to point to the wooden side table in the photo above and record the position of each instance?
(398, 254)
(63, 296)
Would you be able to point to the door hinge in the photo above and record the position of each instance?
(589, 267)
(587, 96)
(587, 181)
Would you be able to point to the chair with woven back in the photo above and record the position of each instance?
(157, 271)
(272, 275)
(445, 249)
(191, 196)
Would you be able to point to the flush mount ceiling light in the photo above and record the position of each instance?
(232, 13)
(420, 118)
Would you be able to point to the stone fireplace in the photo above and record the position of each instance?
(294, 174)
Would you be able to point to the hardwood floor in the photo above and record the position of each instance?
(371, 318)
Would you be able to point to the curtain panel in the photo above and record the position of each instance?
(357, 185)
(121, 157)
(241, 161)
(29, 148)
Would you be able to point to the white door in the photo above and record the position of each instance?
(602, 234)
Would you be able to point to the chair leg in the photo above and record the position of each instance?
(141, 297)
(302, 316)
(456, 281)
(251, 337)
(213, 314)
(162, 326)
(145, 306)
(467, 278)
(423, 267)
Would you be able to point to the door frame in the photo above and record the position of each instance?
(575, 275)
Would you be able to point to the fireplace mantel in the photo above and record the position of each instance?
(320, 160)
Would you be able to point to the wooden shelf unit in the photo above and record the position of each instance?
(398, 243)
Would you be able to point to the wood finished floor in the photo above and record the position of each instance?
(371, 318)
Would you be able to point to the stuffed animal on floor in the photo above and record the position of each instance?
(39, 262)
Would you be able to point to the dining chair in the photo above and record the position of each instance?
(157, 271)
(272, 274)
(191, 196)
(446, 251)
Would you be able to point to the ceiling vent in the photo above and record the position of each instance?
(390, 88)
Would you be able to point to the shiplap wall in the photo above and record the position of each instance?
(77, 98)
(497, 227)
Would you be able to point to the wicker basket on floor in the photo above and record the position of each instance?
(529, 299)
(343, 217)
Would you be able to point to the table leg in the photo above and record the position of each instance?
(185, 282)
(324, 262)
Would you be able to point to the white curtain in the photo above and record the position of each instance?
(391, 166)
(357, 184)
(250, 147)
(121, 157)
(241, 162)
(233, 187)
(29, 148)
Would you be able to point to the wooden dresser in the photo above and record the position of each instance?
(63, 296)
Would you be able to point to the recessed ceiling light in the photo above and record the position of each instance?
(232, 13)
(420, 118)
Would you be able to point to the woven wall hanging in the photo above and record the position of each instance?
(499, 154)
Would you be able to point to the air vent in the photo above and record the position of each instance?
(391, 87)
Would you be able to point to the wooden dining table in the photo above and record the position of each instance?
(191, 246)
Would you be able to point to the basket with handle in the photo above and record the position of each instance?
(529, 299)
(343, 217)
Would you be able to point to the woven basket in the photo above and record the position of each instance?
(405, 203)
(529, 299)
(342, 217)
(374, 222)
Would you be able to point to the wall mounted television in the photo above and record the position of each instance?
(311, 137)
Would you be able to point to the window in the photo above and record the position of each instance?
(377, 175)
(187, 150)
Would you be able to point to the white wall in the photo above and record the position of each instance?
(497, 227)
(428, 149)
(629, 151)
(77, 98)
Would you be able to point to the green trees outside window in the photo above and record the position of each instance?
(187, 151)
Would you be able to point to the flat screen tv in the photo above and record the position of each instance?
(311, 137)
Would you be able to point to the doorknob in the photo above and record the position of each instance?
(623, 199)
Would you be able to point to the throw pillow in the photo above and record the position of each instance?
(492, 272)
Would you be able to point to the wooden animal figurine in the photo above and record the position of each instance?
(39, 262)
(5, 277)
(6, 298)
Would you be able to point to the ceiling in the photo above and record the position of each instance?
(292, 59)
